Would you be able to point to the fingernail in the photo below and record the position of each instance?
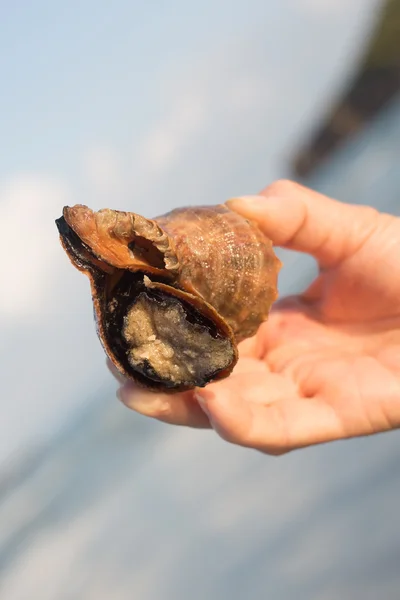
(250, 201)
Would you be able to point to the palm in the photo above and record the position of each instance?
(341, 380)
(338, 347)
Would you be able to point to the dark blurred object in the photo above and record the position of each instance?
(376, 83)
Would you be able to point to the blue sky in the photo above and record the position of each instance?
(141, 106)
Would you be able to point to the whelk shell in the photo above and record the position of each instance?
(174, 295)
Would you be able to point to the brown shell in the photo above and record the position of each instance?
(228, 261)
(217, 264)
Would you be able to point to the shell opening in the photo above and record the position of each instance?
(162, 340)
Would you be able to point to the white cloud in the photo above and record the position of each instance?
(29, 245)
(103, 169)
(164, 143)
(209, 107)
(229, 120)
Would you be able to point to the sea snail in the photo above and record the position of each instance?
(174, 295)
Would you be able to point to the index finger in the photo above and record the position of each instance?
(298, 218)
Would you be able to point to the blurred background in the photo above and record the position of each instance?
(145, 107)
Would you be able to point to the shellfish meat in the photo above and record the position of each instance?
(174, 295)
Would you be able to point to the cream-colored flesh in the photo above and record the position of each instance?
(179, 351)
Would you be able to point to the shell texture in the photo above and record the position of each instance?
(173, 295)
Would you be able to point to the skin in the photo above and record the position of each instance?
(326, 365)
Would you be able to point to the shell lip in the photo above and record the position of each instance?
(78, 231)
(78, 252)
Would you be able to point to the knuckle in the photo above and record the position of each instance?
(280, 187)
(161, 410)
(156, 408)
(227, 434)
(368, 216)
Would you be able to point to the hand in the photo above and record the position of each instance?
(326, 365)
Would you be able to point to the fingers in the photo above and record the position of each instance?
(275, 427)
(298, 218)
(180, 409)
(253, 408)
(248, 414)
(175, 409)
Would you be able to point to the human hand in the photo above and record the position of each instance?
(326, 365)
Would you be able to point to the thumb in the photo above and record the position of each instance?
(301, 219)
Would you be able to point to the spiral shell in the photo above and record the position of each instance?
(174, 295)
